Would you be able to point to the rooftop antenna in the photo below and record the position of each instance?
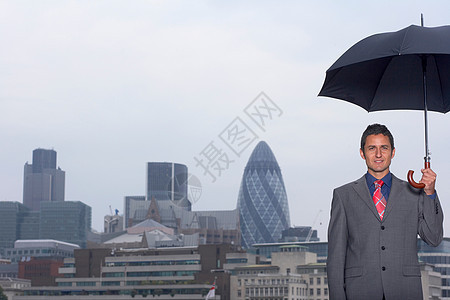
(421, 20)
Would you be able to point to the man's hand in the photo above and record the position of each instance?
(429, 179)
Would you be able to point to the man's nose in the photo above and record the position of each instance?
(378, 153)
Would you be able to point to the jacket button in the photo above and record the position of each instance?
(383, 247)
(382, 227)
(383, 268)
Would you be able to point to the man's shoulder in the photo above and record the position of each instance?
(395, 179)
(351, 184)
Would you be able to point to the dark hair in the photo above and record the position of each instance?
(376, 129)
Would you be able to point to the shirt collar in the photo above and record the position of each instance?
(387, 179)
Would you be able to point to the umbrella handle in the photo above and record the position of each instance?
(411, 179)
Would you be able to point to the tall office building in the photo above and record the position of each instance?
(168, 181)
(42, 180)
(262, 202)
(11, 214)
(68, 221)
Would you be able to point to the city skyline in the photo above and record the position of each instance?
(112, 85)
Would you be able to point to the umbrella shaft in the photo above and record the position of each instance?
(425, 108)
(427, 151)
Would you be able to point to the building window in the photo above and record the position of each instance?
(110, 283)
(89, 283)
(311, 280)
(318, 292)
(64, 283)
(318, 280)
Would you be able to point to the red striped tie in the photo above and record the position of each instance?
(378, 198)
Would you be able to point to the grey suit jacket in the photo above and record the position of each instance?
(368, 257)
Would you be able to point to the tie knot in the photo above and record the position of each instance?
(378, 183)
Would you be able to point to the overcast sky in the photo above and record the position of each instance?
(111, 85)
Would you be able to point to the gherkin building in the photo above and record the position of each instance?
(262, 202)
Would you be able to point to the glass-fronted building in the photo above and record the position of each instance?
(168, 181)
(68, 221)
(262, 203)
(11, 214)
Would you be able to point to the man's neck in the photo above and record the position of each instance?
(378, 175)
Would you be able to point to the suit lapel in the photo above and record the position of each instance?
(394, 194)
(362, 190)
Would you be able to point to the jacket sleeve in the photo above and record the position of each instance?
(431, 218)
(337, 247)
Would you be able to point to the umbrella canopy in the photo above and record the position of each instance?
(385, 72)
(406, 69)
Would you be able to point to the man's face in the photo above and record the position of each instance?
(377, 154)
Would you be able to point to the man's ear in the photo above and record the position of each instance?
(393, 153)
(361, 152)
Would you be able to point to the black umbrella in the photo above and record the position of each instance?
(404, 70)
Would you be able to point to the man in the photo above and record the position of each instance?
(372, 246)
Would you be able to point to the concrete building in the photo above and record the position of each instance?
(8, 269)
(316, 277)
(431, 282)
(278, 280)
(25, 249)
(267, 249)
(113, 223)
(13, 287)
(439, 258)
(168, 273)
(42, 180)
